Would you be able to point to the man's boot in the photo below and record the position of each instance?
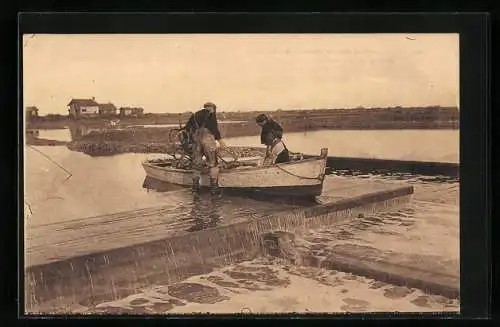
(195, 188)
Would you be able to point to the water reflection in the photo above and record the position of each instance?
(70, 133)
(80, 130)
(159, 186)
(205, 212)
(205, 209)
(277, 199)
(151, 184)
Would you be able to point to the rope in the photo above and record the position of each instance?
(55, 163)
(231, 152)
(298, 176)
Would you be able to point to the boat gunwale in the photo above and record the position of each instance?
(317, 158)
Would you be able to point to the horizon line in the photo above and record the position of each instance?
(295, 109)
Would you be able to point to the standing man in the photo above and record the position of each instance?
(203, 127)
(271, 136)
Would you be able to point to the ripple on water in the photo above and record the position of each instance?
(196, 293)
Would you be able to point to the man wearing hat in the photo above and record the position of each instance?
(203, 127)
(271, 136)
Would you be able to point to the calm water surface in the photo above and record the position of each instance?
(55, 134)
(418, 145)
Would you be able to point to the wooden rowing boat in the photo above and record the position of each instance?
(295, 178)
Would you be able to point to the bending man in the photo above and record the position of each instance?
(271, 136)
(203, 127)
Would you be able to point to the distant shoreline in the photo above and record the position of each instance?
(292, 120)
(289, 125)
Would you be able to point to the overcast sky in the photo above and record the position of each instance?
(176, 73)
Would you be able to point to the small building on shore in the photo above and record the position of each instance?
(83, 108)
(31, 112)
(131, 111)
(107, 109)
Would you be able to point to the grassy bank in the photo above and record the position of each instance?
(293, 120)
(110, 148)
(143, 140)
(138, 140)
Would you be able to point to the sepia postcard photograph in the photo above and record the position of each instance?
(170, 174)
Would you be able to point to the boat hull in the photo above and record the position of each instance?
(297, 178)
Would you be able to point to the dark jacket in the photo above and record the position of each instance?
(203, 118)
(270, 131)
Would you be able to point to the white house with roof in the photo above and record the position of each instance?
(79, 108)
